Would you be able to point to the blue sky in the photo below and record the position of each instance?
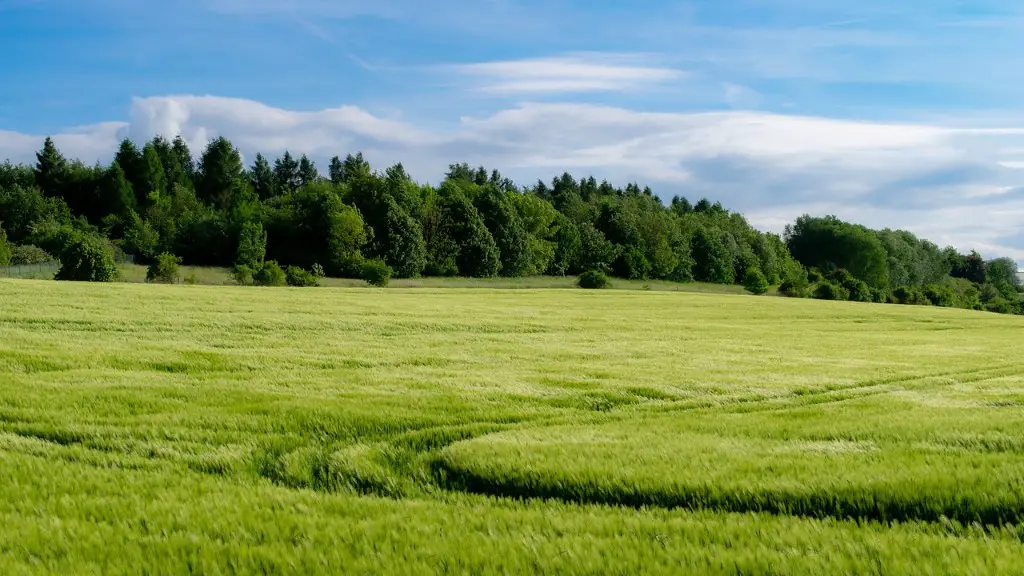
(903, 114)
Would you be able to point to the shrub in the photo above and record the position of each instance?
(830, 291)
(943, 296)
(999, 306)
(318, 271)
(164, 269)
(910, 296)
(5, 249)
(242, 274)
(813, 276)
(879, 295)
(87, 259)
(592, 280)
(300, 278)
(191, 279)
(633, 264)
(22, 255)
(795, 284)
(755, 282)
(270, 274)
(859, 291)
(376, 273)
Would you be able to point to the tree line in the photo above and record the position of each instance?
(162, 204)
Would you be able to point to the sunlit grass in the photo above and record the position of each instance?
(219, 429)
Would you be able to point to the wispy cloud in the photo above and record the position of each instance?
(583, 72)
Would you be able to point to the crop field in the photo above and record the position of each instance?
(218, 430)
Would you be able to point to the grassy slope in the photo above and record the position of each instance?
(224, 428)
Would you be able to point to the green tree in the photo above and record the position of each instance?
(5, 249)
(286, 173)
(87, 258)
(307, 171)
(336, 171)
(220, 173)
(51, 169)
(262, 179)
(185, 160)
(154, 181)
(506, 227)
(755, 282)
(252, 245)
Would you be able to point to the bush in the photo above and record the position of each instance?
(5, 249)
(830, 291)
(795, 284)
(300, 278)
(592, 280)
(242, 274)
(87, 259)
(22, 255)
(318, 271)
(755, 282)
(191, 279)
(859, 291)
(270, 274)
(376, 273)
(879, 296)
(910, 296)
(164, 269)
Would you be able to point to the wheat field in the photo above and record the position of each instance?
(220, 430)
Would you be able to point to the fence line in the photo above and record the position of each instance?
(45, 270)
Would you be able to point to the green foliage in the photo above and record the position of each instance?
(593, 280)
(755, 282)
(506, 227)
(154, 199)
(318, 271)
(5, 248)
(595, 251)
(140, 239)
(242, 274)
(252, 245)
(910, 295)
(26, 255)
(1003, 271)
(270, 274)
(829, 243)
(164, 269)
(376, 273)
(713, 259)
(830, 291)
(87, 258)
(300, 278)
(220, 173)
(795, 284)
(633, 264)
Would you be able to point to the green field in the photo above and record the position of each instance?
(219, 429)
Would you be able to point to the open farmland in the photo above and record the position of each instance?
(168, 429)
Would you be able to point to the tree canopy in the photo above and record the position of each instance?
(214, 209)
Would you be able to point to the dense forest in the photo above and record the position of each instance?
(163, 205)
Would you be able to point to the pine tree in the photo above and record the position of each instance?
(261, 178)
(337, 171)
(153, 178)
(286, 173)
(185, 160)
(307, 171)
(51, 169)
(220, 173)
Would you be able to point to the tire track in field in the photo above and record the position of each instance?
(822, 395)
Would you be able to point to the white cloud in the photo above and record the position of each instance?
(593, 72)
(951, 185)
